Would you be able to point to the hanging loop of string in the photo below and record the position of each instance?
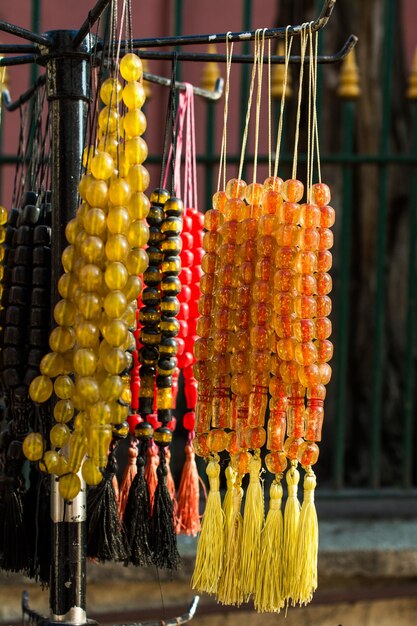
(310, 123)
(287, 53)
(315, 122)
(269, 111)
(303, 42)
(248, 110)
(261, 46)
(222, 164)
(169, 133)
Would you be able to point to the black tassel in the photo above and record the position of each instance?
(137, 513)
(13, 550)
(106, 536)
(38, 525)
(164, 538)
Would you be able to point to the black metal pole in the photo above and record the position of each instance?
(68, 80)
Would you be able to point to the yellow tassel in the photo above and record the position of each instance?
(228, 498)
(230, 591)
(210, 547)
(291, 522)
(253, 520)
(268, 594)
(308, 542)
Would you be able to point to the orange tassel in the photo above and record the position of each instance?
(151, 477)
(188, 520)
(127, 479)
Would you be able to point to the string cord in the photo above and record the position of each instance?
(248, 110)
(258, 102)
(282, 106)
(303, 42)
(315, 121)
(310, 128)
(269, 112)
(222, 164)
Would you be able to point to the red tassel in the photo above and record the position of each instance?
(188, 518)
(127, 479)
(151, 477)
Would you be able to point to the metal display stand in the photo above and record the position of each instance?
(66, 56)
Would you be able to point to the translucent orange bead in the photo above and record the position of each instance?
(234, 209)
(324, 283)
(138, 206)
(208, 263)
(213, 220)
(283, 325)
(261, 291)
(283, 280)
(304, 329)
(219, 201)
(327, 216)
(69, 486)
(309, 216)
(241, 462)
(256, 438)
(305, 306)
(308, 453)
(33, 446)
(204, 326)
(286, 348)
(247, 230)
(102, 166)
(325, 373)
(228, 232)
(134, 123)
(138, 178)
(133, 95)
(289, 372)
(305, 284)
(271, 203)
(254, 193)
(291, 447)
(324, 350)
(200, 446)
(305, 262)
(136, 150)
(289, 213)
(314, 416)
(320, 194)
(235, 188)
(309, 375)
(286, 235)
(260, 338)
(284, 257)
(241, 384)
(308, 239)
(131, 67)
(217, 440)
(324, 261)
(276, 462)
(276, 431)
(273, 183)
(292, 190)
(220, 341)
(326, 238)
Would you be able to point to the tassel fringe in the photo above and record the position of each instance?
(291, 523)
(188, 518)
(253, 521)
(307, 546)
(230, 589)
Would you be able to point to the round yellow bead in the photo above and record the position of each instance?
(133, 95)
(117, 248)
(64, 313)
(129, 316)
(3, 215)
(110, 91)
(97, 193)
(88, 153)
(33, 446)
(118, 220)
(68, 258)
(119, 192)
(110, 388)
(85, 362)
(63, 411)
(90, 277)
(109, 144)
(89, 305)
(84, 184)
(59, 435)
(134, 123)
(115, 304)
(138, 178)
(114, 361)
(108, 121)
(94, 222)
(61, 339)
(131, 67)
(67, 285)
(119, 413)
(136, 150)
(138, 207)
(100, 413)
(52, 364)
(87, 388)
(132, 288)
(115, 332)
(137, 261)
(40, 389)
(64, 387)
(116, 275)
(86, 334)
(69, 486)
(51, 460)
(138, 234)
(68, 365)
(92, 249)
(102, 166)
(72, 229)
(123, 165)
(91, 473)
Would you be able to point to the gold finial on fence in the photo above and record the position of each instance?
(412, 80)
(211, 71)
(349, 87)
(277, 78)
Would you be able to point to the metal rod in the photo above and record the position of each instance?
(270, 33)
(29, 58)
(9, 48)
(12, 106)
(198, 91)
(92, 17)
(6, 27)
(248, 58)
